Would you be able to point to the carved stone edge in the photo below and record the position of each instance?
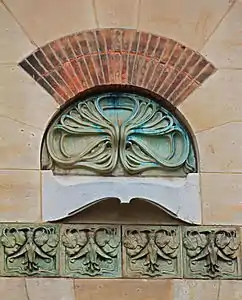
(64, 196)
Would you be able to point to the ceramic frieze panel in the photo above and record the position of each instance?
(29, 250)
(211, 252)
(151, 251)
(90, 251)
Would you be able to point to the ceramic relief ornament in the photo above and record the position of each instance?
(29, 250)
(211, 252)
(118, 134)
(152, 251)
(90, 251)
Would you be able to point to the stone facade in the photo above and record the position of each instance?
(35, 257)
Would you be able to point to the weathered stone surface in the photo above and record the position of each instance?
(20, 196)
(210, 252)
(226, 40)
(180, 197)
(196, 290)
(220, 148)
(151, 251)
(221, 198)
(113, 13)
(13, 289)
(20, 145)
(44, 21)
(28, 250)
(90, 250)
(121, 289)
(187, 21)
(14, 43)
(49, 289)
(22, 99)
(230, 289)
(223, 92)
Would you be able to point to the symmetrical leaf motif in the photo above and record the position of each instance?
(98, 133)
(147, 249)
(217, 250)
(91, 251)
(27, 250)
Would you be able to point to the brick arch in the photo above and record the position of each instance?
(78, 62)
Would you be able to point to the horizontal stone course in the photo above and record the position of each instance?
(115, 251)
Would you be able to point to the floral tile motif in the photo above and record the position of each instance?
(211, 252)
(152, 251)
(90, 251)
(29, 250)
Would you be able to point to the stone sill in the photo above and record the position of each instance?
(64, 196)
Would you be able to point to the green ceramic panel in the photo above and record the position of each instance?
(118, 134)
(152, 251)
(90, 251)
(29, 250)
(211, 252)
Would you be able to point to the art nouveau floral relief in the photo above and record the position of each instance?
(29, 250)
(90, 251)
(118, 134)
(211, 252)
(152, 251)
(112, 251)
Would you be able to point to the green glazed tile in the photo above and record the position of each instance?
(29, 250)
(211, 252)
(90, 251)
(152, 251)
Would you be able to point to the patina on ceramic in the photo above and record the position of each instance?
(118, 134)
(211, 252)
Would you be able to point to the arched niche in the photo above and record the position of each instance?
(122, 143)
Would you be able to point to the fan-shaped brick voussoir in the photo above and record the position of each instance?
(74, 63)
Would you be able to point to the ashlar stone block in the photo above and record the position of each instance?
(151, 251)
(29, 250)
(211, 252)
(90, 251)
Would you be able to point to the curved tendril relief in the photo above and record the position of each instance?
(118, 134)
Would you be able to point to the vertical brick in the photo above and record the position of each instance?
(153, 43)
(115, 68)
(82, 43)
(142, 71)
(128, 36)
(92, 70)
(116, 40)
(105, 66)
(101, 42)
(124, 71)
(143, 43)
(161, 47)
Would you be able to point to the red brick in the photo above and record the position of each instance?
(128, 36)
(74, 63)
(115, 68)
(153, 43)
(116, 40)
(91, 42)
(143, 43)
(81, 40)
